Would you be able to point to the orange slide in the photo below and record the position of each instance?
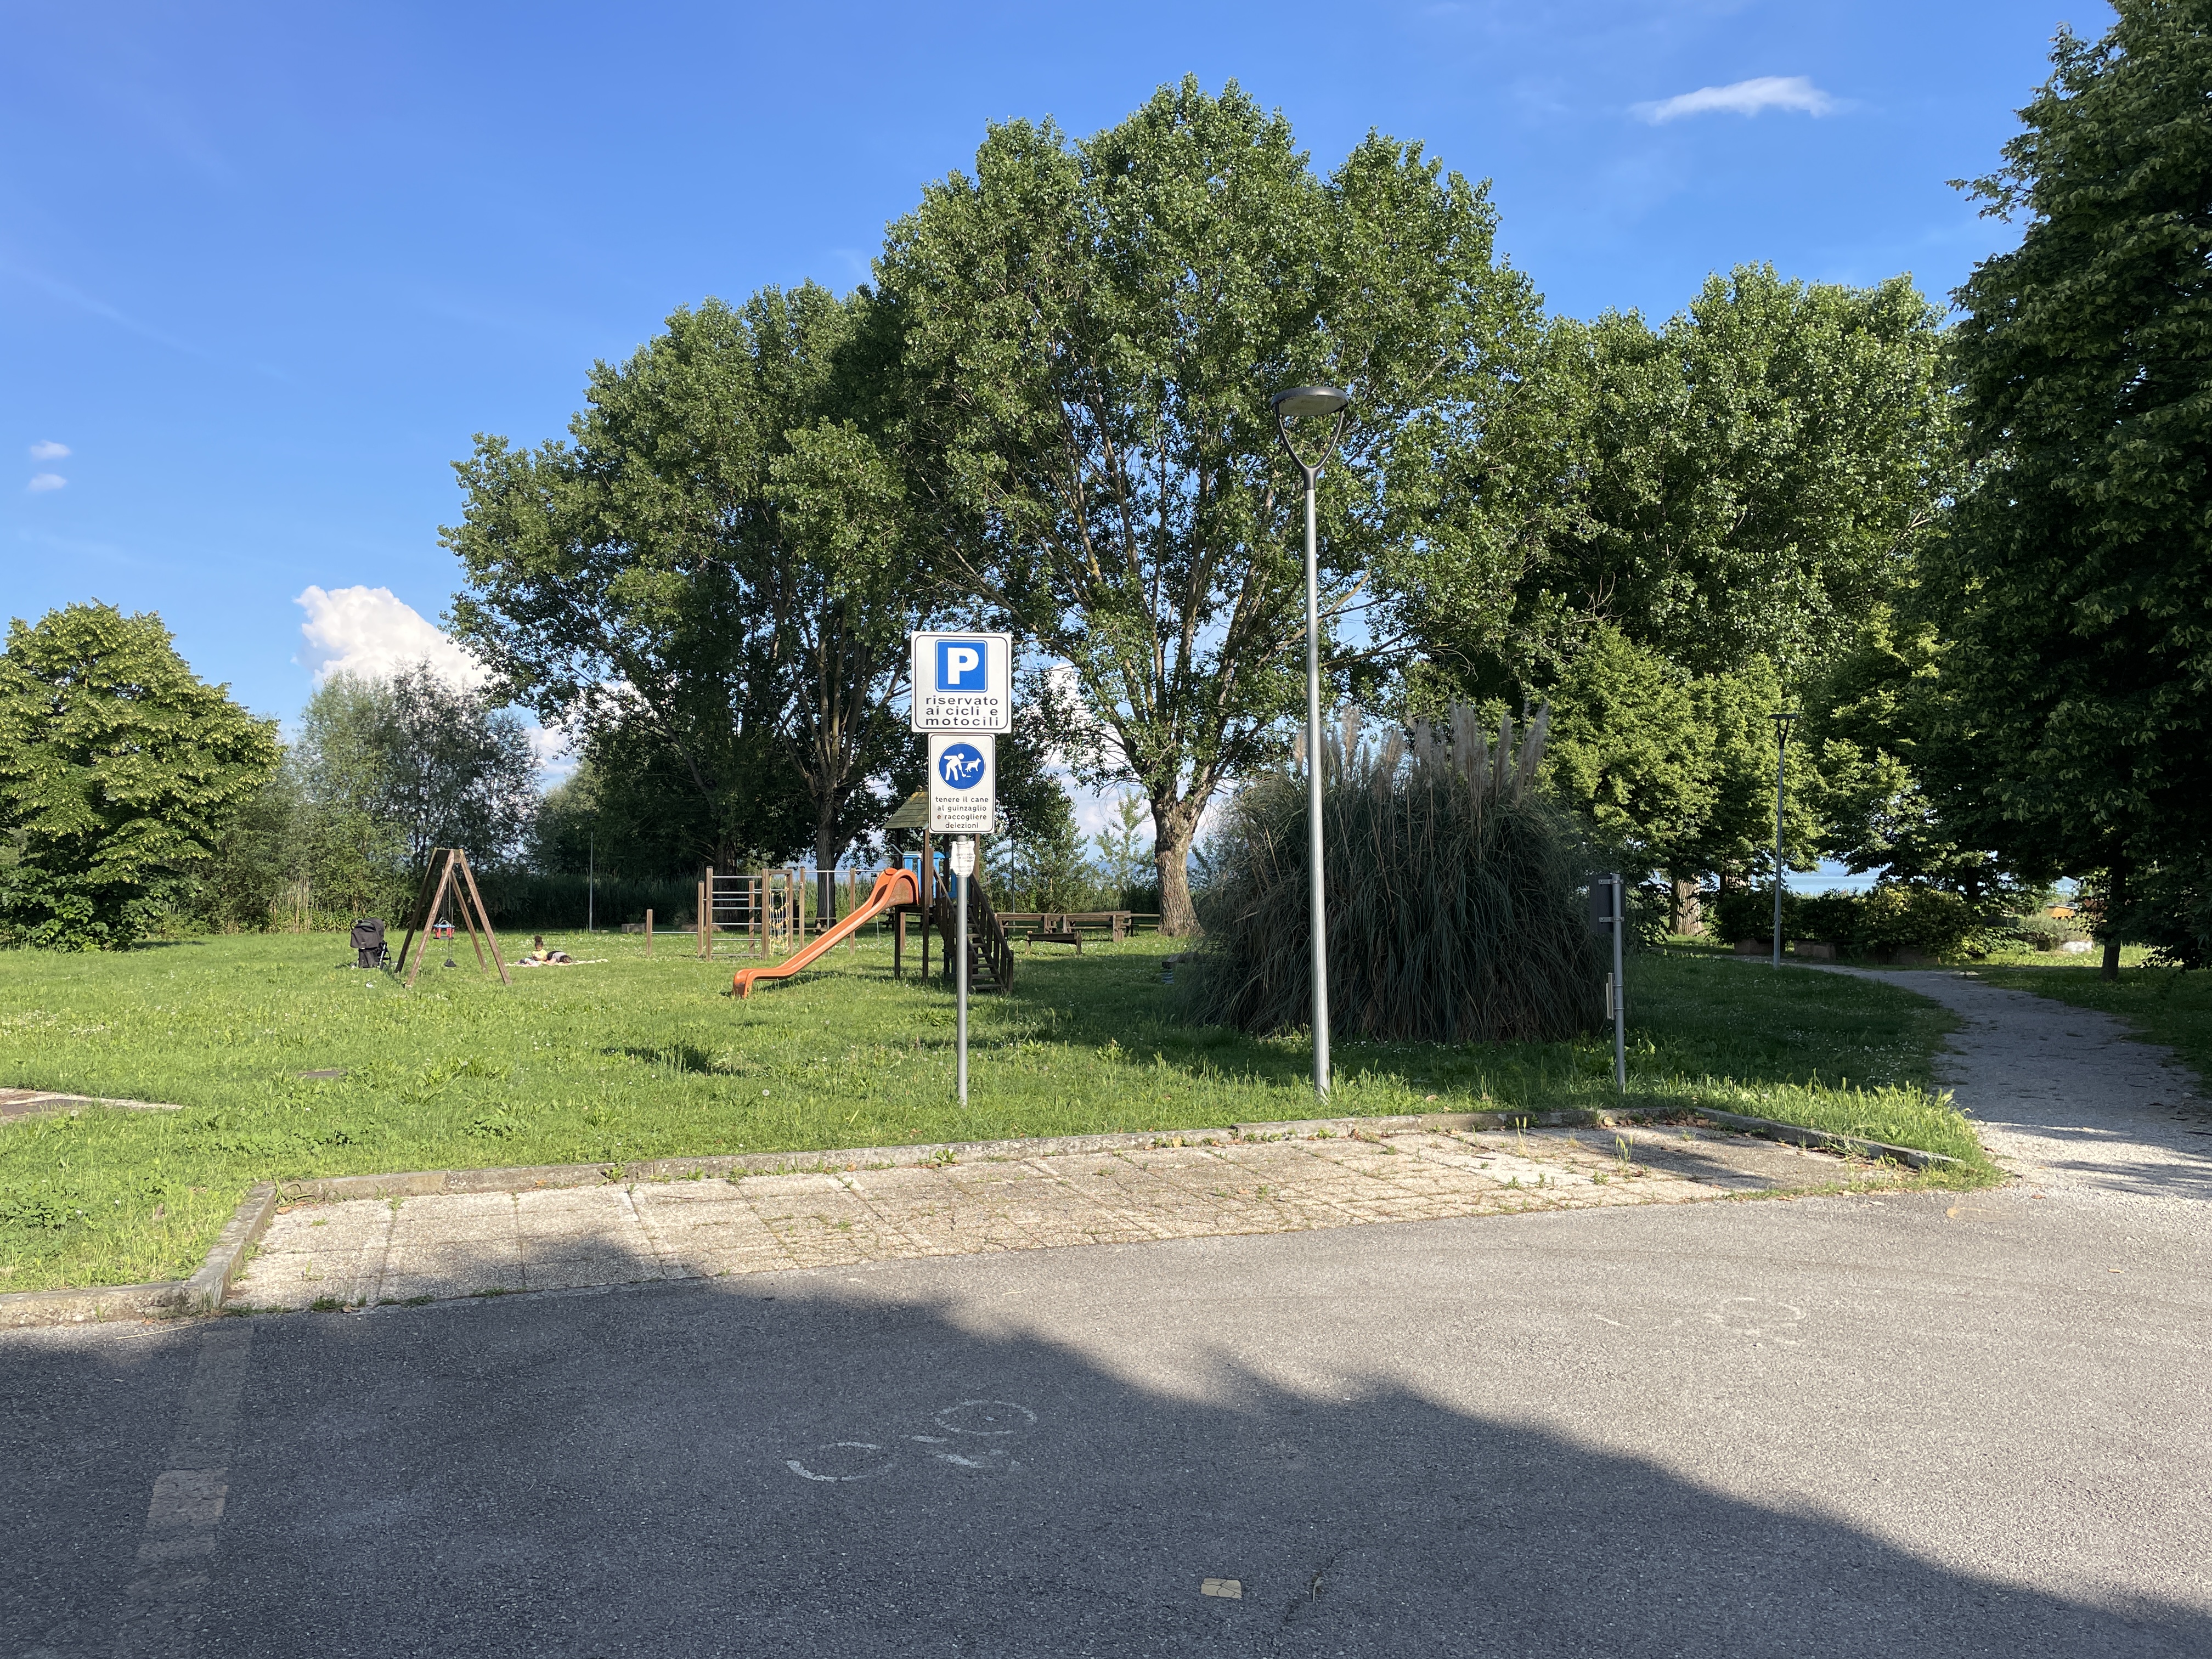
(892, 887)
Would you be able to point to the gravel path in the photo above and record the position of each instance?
(2068, 1097)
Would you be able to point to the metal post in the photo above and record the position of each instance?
(592, 883)
(960, 890)
(1619, 988)
(1316, 899)
(1781, 764)
(1314, 400)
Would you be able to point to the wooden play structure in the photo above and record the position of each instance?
(898, 894)
(448, 874)
(894, 887)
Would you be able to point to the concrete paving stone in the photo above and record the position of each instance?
(762, 1187)
(548, 1212)
(466, 1267)
(460, 1244)
(287, 1279)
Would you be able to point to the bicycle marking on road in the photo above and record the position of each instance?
(978, 1419)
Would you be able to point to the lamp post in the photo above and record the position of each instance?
(1304, 402)
(1782, 718)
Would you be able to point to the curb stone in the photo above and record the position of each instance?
(202, 1293)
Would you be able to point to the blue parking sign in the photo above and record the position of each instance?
(961, 666)
(963, 682)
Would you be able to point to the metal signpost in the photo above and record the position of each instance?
(964, 693)
(1782, 720)
(1609, 914)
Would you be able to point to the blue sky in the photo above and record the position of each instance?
(264, 269)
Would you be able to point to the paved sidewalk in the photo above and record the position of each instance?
(370, 1251)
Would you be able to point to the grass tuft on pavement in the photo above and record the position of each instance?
(634, 1058)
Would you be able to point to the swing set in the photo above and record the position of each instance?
(448, 873)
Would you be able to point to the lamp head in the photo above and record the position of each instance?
(1322, 400)
(1309, 400)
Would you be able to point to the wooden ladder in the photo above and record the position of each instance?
(990, 958)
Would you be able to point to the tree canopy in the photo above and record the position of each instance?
(1089, 334)
(2076, 583)
(118, 769)
(698, 583)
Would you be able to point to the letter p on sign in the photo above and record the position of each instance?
(959, 666)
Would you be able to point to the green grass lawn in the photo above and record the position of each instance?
(2163, 1003)
(634, 1058)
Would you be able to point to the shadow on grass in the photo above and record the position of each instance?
(1687, 1020)
(786, 1463)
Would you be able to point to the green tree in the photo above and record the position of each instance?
(118, 771)
(1742, 483)
(351, 852)
(388, 767)
(2076, 586)
(1090, 331)
(1877, 720)
(699, 583)
(457, 770)
(255, 859)
(1124, 846)
(1678, 770)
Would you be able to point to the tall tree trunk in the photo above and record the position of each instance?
(1174, 824)
(2116, 897)
(1688, 919)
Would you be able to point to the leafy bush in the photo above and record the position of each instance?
(1875, 923)
(1742, 912)
(2042, 932)
(1923, 918)
(1454, 887)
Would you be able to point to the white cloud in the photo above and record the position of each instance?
(47, 450)
(372, 631)
(43, 482)
(1782, 92)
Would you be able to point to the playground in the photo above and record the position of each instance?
(640, 1056)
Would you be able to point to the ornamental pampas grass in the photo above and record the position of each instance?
(1455, 894)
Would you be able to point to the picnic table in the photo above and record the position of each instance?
(1066, 926)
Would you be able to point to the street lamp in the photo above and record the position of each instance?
(1782, 718)
(1306, 401)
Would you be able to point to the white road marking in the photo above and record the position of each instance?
(176, 1551)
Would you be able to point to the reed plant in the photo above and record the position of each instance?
(1455, 893)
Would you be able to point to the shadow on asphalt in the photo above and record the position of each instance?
(802, 1464)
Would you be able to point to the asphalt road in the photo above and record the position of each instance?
(1917, 1423)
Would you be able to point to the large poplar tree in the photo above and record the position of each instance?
(1091, 332)
(707, 584)
(2077, 587)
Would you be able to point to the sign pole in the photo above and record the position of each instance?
(960, 888)
(1619, 991)
(962, 696)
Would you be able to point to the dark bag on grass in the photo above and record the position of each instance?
(368, 948)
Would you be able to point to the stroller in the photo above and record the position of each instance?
(369, 950)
